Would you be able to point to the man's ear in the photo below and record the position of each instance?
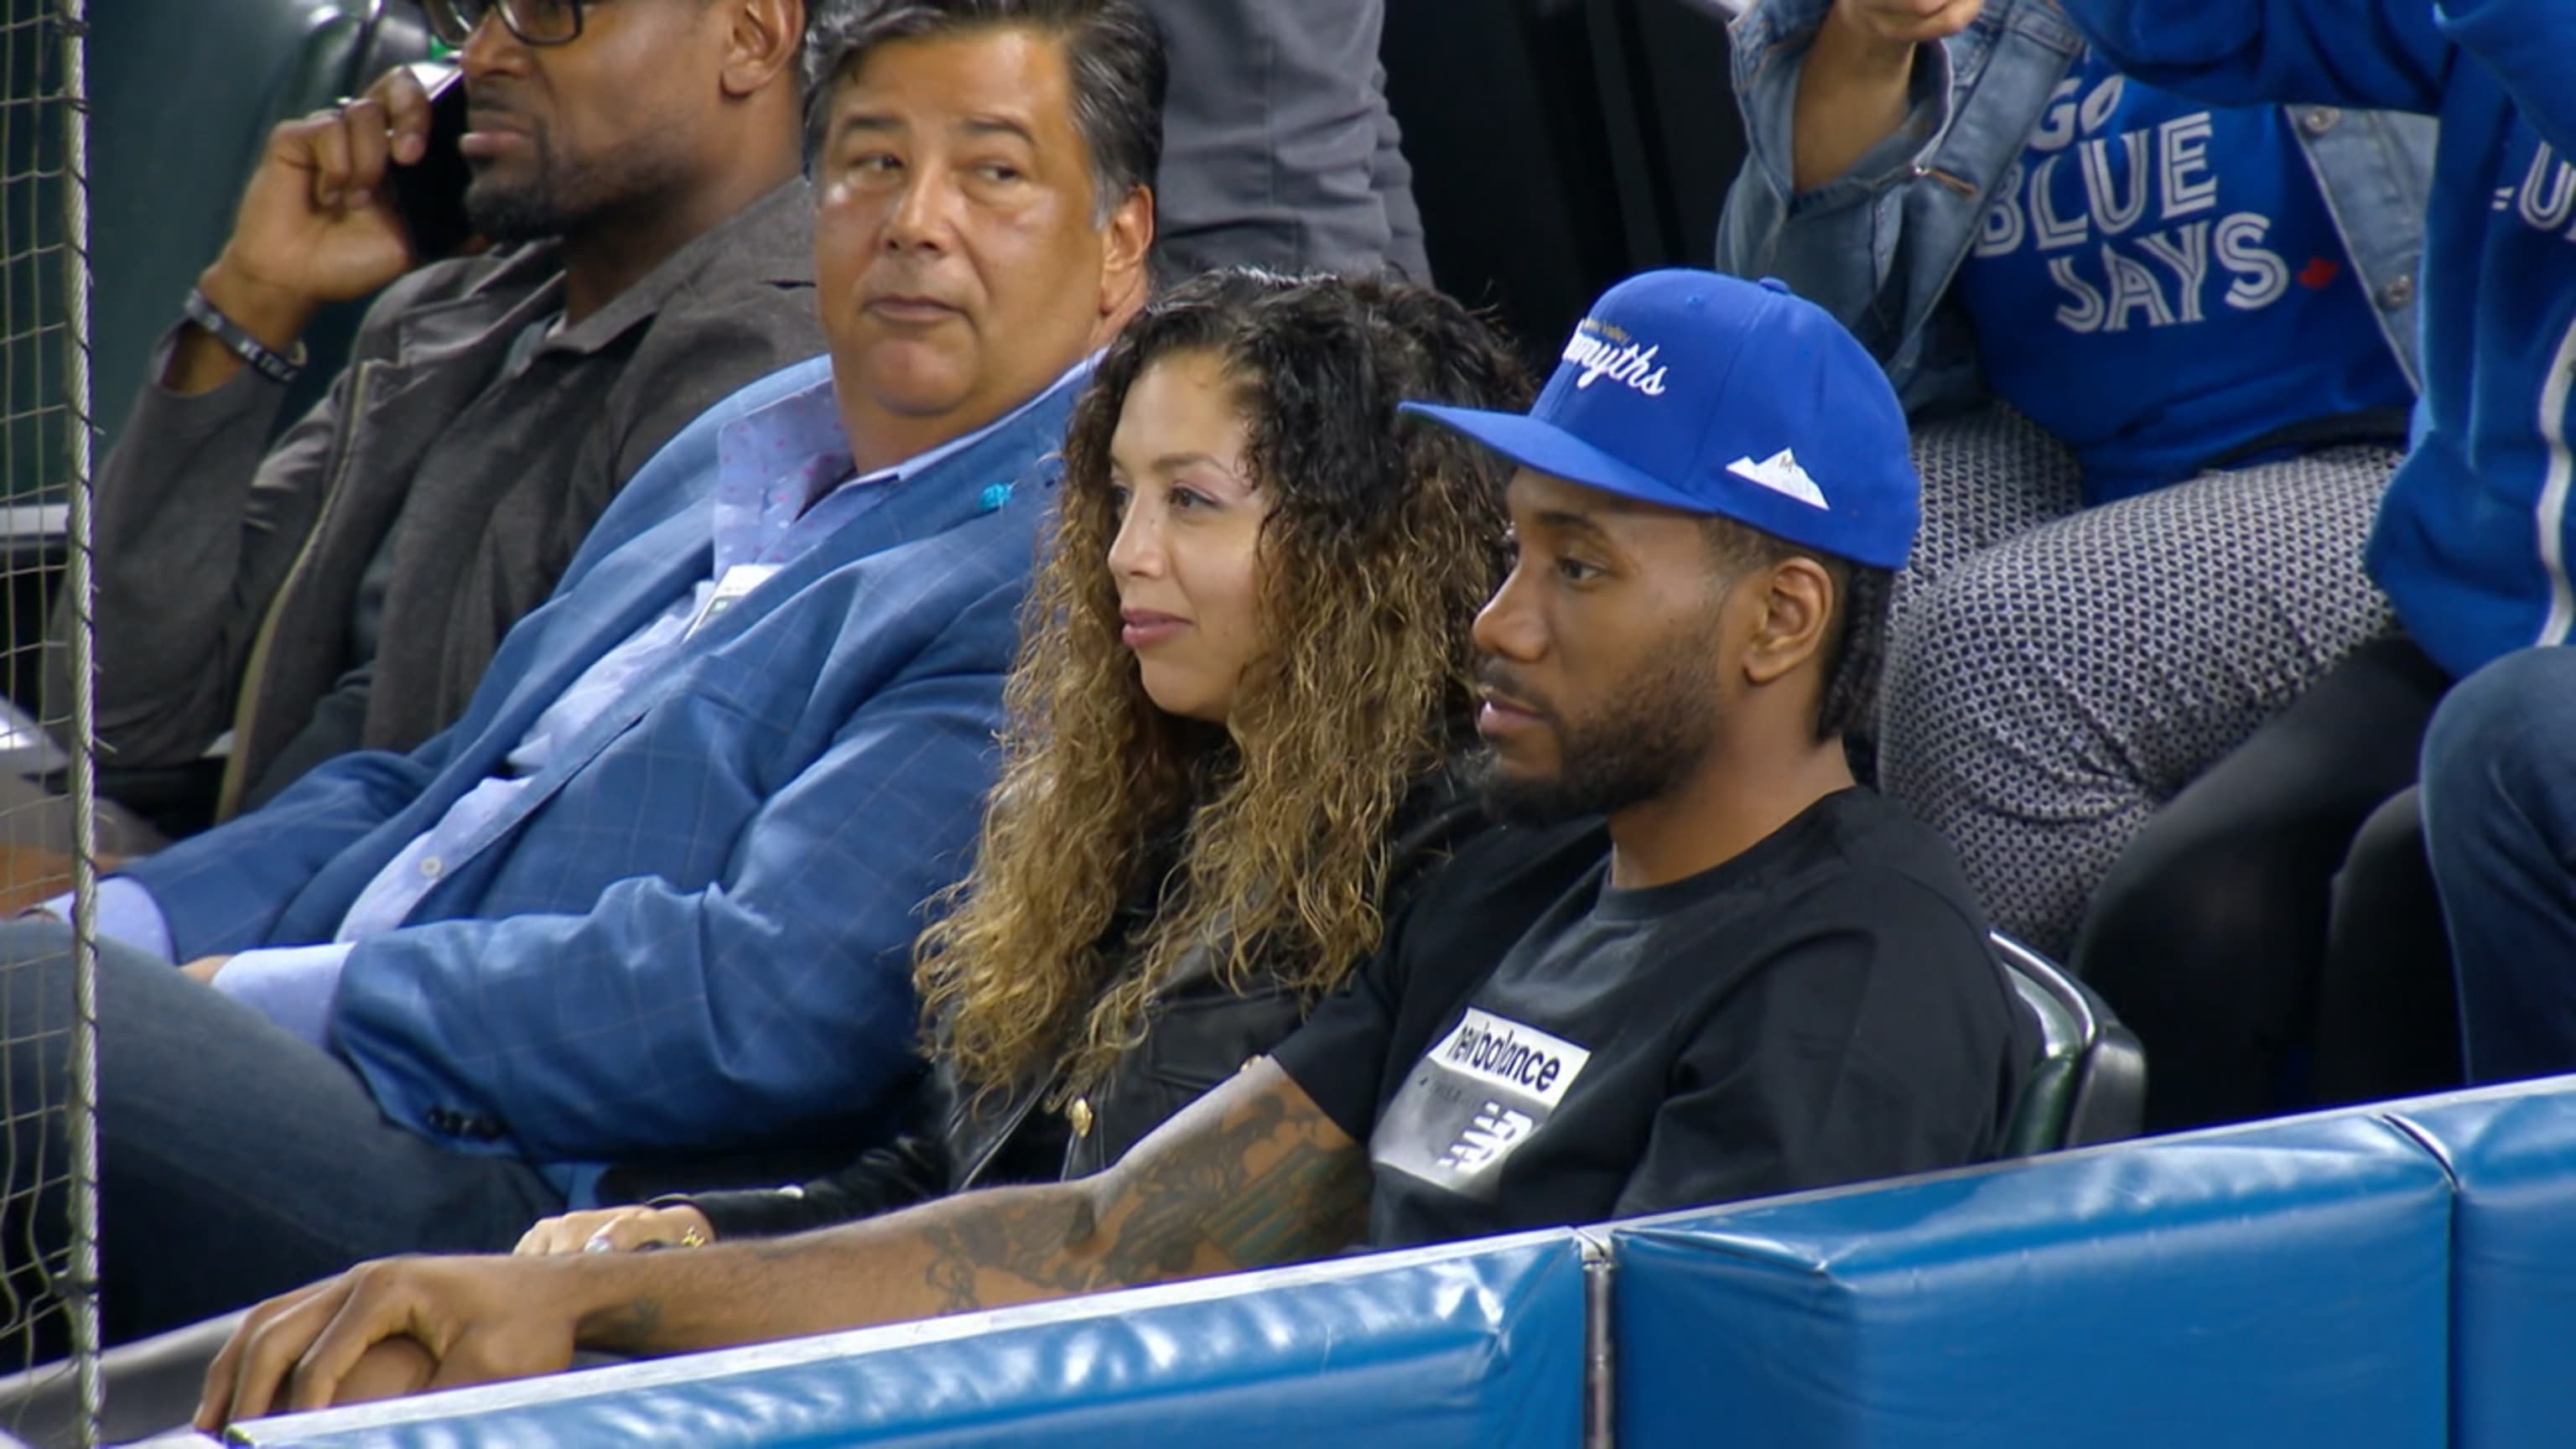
(1126, 267)
(765, 40)
(1797, 608)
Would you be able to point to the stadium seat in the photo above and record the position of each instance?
(2245, 1289)
(2090, 1084)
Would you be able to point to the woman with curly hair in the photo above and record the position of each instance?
(1246, 672)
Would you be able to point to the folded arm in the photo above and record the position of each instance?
(1838, 115)
(914, 1165)
(1252, 1175)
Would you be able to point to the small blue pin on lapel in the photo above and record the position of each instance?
(994, 497)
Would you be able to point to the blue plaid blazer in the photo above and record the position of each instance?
(693, 932)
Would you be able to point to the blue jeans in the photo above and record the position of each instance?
(235, 1160)
(2500, 826)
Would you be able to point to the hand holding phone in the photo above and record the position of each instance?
(318, 221)
(429, 194)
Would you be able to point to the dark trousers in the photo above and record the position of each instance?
(2211, 936)
(2387, 1012)
(235, 1161)
(2500, 817)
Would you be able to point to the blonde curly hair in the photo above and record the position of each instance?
(1264, 839)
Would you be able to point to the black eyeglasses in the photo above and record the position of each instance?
(535, 22)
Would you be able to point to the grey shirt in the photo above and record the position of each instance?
(1278, 147)
(229, 570)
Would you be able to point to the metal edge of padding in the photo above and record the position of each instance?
(1600, 1365)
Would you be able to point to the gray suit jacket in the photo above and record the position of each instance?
(231, 572)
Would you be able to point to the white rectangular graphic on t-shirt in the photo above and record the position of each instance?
(1479, 1094)
(1514, 1057)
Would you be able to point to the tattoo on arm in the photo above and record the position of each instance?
(1316, 1204)
(1030, 1240)
(1255, 1178)
(1251, 1175)
(637, 1321)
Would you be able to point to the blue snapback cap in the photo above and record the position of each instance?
(1720, 396)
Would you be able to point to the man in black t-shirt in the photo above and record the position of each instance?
(1749, 976)
(1818, 1009)
(1772, 979)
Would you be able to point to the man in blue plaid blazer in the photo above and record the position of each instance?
(653, 898)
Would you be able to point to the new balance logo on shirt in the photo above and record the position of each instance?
(1516, 1058)
(1496, 1130)
(1476, 1097)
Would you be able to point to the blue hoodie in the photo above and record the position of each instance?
(2473, 539)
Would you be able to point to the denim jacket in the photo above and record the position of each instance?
(1913, 205)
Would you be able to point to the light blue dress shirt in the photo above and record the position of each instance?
(784, 483)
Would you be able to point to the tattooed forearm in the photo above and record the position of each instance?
(1032, 1240)
(1314, 1203)
(632, 1326)
(1261, 1178)
(1274, 1182)
(1251, 1175)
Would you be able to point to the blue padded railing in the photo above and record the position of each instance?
(2390, 1277)
(2512, 1157)
(1476, 1347)
(2279, 1285)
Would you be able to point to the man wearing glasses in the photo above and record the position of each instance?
(634, 166)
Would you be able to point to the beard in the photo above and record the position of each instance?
(1652, 733)
(505, 211)
(553, 197)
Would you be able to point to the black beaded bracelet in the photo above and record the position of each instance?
(211, 320)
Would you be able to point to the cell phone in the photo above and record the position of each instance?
(429, 195)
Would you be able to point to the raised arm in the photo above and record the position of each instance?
(1837, 97)
(1842, 101)
(199, 518)
(1252, 1175)
(2387, 54)
(1855, 87)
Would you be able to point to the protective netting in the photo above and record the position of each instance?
(47, 1047)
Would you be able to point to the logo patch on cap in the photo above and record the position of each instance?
(1603, 350)
(1721, 397)
(1781, 474)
